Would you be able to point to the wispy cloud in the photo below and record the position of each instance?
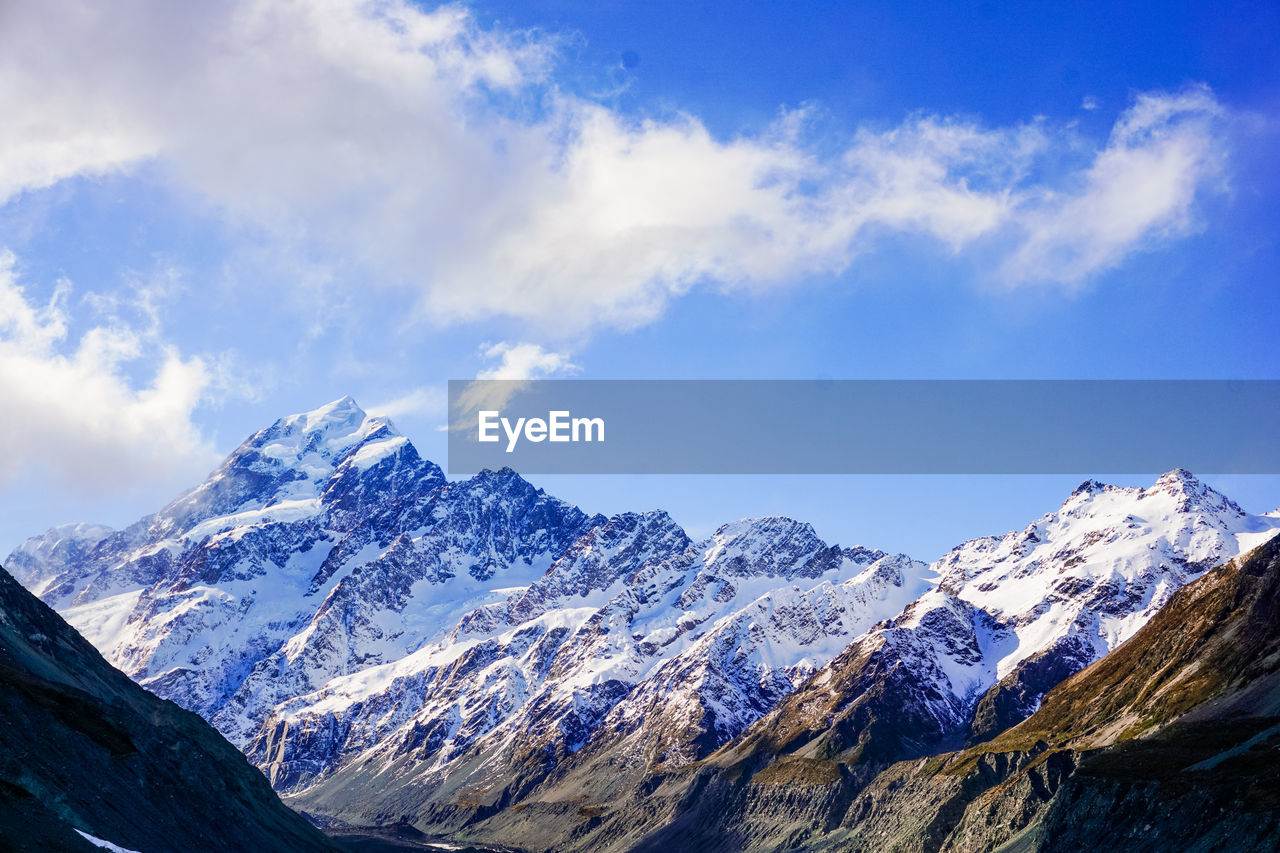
(1139, 190)
(523, 361)
(441, 157)
(426, 402)
(511, 367)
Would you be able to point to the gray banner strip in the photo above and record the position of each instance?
(864, 426)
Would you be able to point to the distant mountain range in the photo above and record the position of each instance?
(480, 659)
(1168, 743)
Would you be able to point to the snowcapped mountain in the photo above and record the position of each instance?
(1013, 616)
(323, 544)
(326, 593)
(665, 648)
(384, 643)
(1166, 743)
(42, 558)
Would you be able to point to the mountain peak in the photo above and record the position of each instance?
(1180, 477)
(290, 462)
(1192, 493)
(1188, 492)
(770, 545)
(763, 525)
(502, 479)
(329, 431)
(1088, 487)
(341, 413)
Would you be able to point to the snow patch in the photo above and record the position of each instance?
(105, 845)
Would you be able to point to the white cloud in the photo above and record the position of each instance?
(512, 366)
(1139, 189)
(73, 411)
(524, 361)
(429, 402)
(438, 156)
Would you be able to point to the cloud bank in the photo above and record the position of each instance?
(442, 158)
(82, 420)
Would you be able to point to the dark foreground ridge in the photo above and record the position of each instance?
(84, 748)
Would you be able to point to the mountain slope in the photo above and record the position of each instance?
(85, 750)
(1175, 734)
(1168, 743)
(1212, 654)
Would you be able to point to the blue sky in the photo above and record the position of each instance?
(214, 216)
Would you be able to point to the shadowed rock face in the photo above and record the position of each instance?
(1016, 696)
(84, 748)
